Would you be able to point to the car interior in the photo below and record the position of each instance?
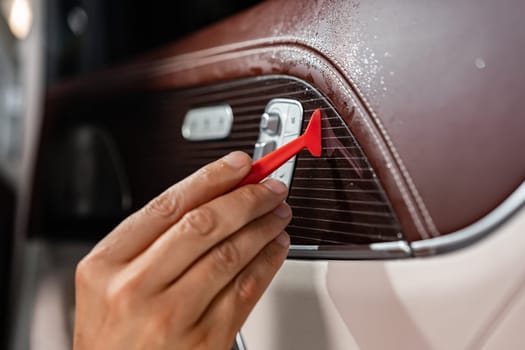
(406, 231)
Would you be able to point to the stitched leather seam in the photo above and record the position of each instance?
(385, 154)
(422, 207)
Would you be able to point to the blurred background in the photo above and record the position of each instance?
(43, 43)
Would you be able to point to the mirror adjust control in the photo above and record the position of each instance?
(281, 122)
(263, 148)
(270, 123)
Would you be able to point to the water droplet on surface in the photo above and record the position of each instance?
(480, 63)
(387, 54)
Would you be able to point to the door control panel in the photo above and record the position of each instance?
(280, 123)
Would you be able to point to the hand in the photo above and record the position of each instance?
(184, 271)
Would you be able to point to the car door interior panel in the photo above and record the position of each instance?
(380, 174)
(422, 141)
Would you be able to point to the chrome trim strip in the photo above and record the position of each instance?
(386, 250)
(475, 231)
(239, 342)
(392, 247)
(304, 247)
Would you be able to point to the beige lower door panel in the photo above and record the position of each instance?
(508, 331)
(297, 313)
(471, 299)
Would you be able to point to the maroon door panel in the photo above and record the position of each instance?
(431, 92)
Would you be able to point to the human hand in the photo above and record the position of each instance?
(184, 271)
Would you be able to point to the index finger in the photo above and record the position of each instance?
(142, 228)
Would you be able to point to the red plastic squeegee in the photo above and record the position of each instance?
(311, 139)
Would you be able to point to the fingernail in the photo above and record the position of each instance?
(275, 186)
(283, 239)
(283, 211)
(236, 159)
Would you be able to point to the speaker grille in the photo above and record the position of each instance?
(336, 199)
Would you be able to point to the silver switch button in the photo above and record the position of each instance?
(208, 123)
(263, 148)
(281, 122)
(270, 123)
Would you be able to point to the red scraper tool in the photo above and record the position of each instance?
(311, 139)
